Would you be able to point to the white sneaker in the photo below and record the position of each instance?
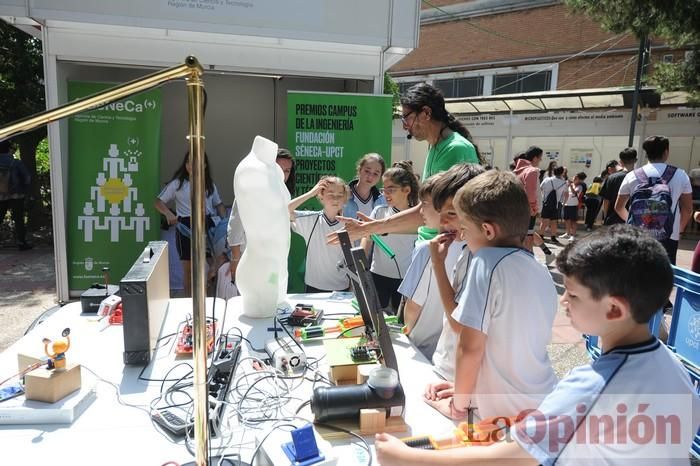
(566, 238)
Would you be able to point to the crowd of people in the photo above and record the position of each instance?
(476, 302)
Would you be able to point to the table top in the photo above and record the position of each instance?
(113, 433)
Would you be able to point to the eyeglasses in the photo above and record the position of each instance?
(405, 117)
(391, 190)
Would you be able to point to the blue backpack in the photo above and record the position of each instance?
(651, 204)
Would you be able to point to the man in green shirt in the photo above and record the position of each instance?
(424, 117)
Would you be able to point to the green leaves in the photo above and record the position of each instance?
(676, 22)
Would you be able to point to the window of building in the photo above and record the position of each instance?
(461, 87)
(404, 86)
(516, 83)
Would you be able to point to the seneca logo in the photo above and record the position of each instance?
(130, 106)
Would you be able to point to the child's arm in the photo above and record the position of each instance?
(407, 222)
(393, 452)
(366, 244)
(470, 352)
(297, 201)
(438, 252)
(411, 312)
(235, 259)
(165, 210)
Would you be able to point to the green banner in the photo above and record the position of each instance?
(114, 161)
(328, 133)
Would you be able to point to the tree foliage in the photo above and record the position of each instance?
(391, 88)
(22, 95)
(677, 21)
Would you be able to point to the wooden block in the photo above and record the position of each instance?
(372, 420)
(50, 385)
(392, 424)
(344, 375)
(364, 370)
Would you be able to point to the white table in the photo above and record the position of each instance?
(109, 433)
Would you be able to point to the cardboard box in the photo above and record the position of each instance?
(50, 385)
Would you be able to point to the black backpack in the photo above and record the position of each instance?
(551, 202)
(6, 177)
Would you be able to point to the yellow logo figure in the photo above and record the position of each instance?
(114, 190)
(57, 356)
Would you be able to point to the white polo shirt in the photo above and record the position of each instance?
(642, 390)
(173, 191)
(321, 258)
(420, 285)
(510, 298)
(679, 184)
(401, 244)
(445, 354)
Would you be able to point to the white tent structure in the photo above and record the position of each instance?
(253, 51)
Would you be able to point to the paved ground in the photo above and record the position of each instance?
(28, 289)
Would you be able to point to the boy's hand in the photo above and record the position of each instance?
(391, 451)
(445, 406)
(439, 246)
(438, 390)
(320, 186)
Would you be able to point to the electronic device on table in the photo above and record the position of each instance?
(185, 338)
(178, 419)
(145, 292)
(383, 388)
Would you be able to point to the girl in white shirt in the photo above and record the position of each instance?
(178, 190)
(401, 192)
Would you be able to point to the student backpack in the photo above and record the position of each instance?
(651, 204)
(6, 181)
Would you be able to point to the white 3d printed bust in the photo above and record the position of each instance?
(262, 200)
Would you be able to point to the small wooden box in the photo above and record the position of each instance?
(51, 385)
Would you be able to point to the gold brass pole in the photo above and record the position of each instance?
(199, 287)
(192, 71)
(100, 99)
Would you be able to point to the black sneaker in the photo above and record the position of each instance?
(555, 240)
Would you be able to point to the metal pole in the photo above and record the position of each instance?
(98, 100)
(637, 85)
(199, 287)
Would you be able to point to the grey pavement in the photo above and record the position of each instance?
(27, 289)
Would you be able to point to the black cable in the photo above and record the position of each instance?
(302, 406)
(398, 269)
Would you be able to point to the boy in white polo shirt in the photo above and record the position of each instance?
(322, 272)
(506, 310)
(424, 312)
(634, 405)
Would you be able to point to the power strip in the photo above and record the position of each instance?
(285, 355)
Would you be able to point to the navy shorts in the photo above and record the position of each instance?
(570, 212)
